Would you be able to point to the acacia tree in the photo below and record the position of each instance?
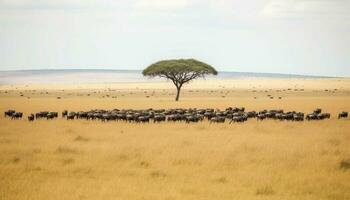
(179, 71)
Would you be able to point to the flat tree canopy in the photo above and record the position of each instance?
(179, 71)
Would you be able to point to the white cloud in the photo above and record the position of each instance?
(283, 8)
(221, 9)
(59, 4)
(161, 4)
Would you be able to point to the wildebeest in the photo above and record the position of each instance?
(312, 116)
(218, 119)
(235, 109)
(130, 117)
(324, 116)
(51, 115)
(298, 117)
(81, 115)
(209, 114)
(64, 113)
(106, 117)
(174, 117)
(142, 119)
(343, 115)
(16, 115)
(192, 118)
(241, 118)
(261, 116)
(319, 116)
(71, 115)
(159, 118)
(9, 113)
(251, 114)
(317, 110)
(42, 114)
(31, 117)
(121, 116)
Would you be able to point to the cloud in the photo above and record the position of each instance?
(141, 5)
(161, 4)
(219, 9)
(290, 8)
(59, 4)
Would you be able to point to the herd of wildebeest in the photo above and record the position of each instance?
(187, 115)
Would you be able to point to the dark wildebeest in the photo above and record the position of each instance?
(130, 117)
(323, 116)
(142, 119)
(81, 115)
(9, 113)
(241, 118)
(343, 115)
(312, 116)
(17, 115)
(209, 114)
(298, 117)
(192, 118)
(71, 115)
(261, 116)
(106, 117)
(251, 114)
(159, 118)
(64, 113)
(42, 114)
(218, 119)
(52, 115)
(318, 111)
(121, 116)
(31, 117)
(49, 116)
(174, 117)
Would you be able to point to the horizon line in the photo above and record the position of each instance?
(225, 71)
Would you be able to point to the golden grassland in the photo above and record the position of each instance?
(81, 159)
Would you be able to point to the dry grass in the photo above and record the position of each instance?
(266, 190)
(345, 164)
(62, 159)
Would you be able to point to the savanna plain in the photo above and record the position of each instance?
(79, 159)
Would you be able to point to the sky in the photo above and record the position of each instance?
(309, 37)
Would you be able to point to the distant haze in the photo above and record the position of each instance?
(310, 37)
(74, 76)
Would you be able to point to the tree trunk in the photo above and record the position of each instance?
(178, 93)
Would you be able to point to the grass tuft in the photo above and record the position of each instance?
(81, 139)
(68, 161)
(144, 164)
(65, 150)
(221, 180)
(266, 190)
(345, 164)
(16, 160)
(157, 174)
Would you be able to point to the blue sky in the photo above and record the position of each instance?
(280, 36)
